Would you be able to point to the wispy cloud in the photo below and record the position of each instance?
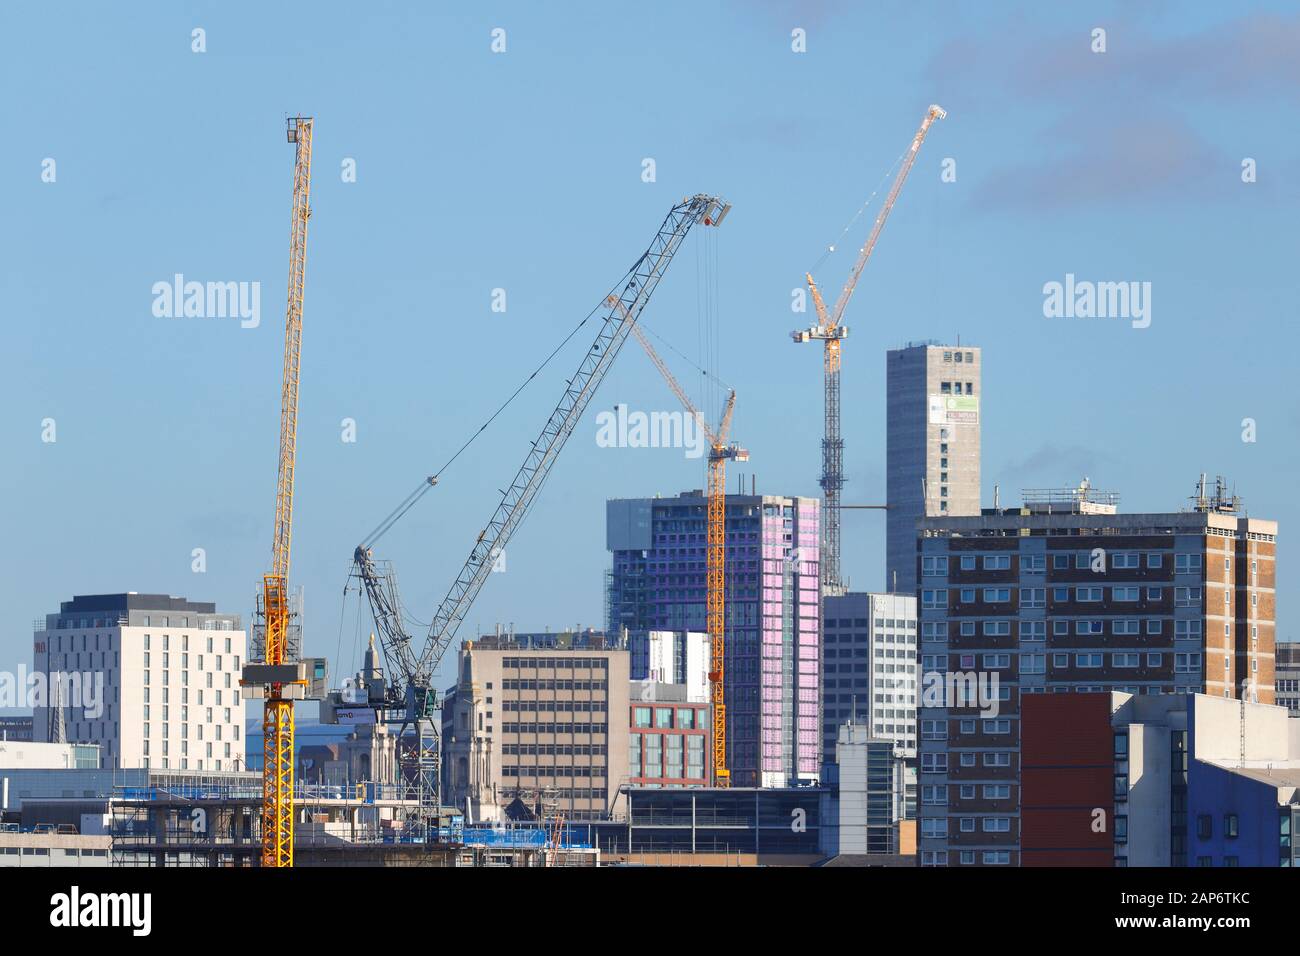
(1248, 56)
(1131, 132)
(1092, 157)
(1051, 465)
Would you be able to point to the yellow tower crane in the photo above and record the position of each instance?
(276, 677)
(716, 551)
(830, 329)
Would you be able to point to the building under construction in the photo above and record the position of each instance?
(773, 614)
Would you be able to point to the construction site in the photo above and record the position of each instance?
(393, 697)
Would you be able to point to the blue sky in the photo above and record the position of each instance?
(522, 171)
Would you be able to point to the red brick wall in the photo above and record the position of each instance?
(1067, 771)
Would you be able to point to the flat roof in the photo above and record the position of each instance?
(133, 601)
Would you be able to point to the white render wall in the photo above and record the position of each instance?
(170, 694)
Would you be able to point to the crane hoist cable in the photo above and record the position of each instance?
(831, 249)
(408, 691)
(410, 500)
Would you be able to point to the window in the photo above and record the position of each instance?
(1230, 826)
(996, 791)
(1187, 663)
(1124, 559)
(968, 562)
(1124, 627)
(1126, 659)
(1033, 562)
(1033, 664)
(997, 595)
(1060, 562)
(1033, 597)
(1155, 559)
(1153, 626)
(1087, 660)
(936, 599)
(1155, 594)
(934, 763)
(1087, 595)
(997, 562)
(1124, 593)
(967, 628)
(642, 717)
(967, 595)
(997, 628)
(997, 760)
(1187, 597)
(934, 730)
(997, 824)
(932, 566)
(1184, 563)
(997, 661)
(1204, 825)
(1089, 627)
(1033, 630)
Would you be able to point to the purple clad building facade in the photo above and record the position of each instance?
(773, 669)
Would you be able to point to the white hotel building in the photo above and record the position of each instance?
(170, 671)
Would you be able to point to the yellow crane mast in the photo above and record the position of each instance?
(715, 553)
(277, 715)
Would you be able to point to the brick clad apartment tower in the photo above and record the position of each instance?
(1065, 595)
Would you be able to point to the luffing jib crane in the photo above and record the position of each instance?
(831, 330)
(720, 452)
(277, 676)
(407, 693)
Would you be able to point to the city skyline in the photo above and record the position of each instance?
(165, 427)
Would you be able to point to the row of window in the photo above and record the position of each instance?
(512, 684)
(938, 762)
(596, 773)
(936, 795)
(937, 598)
(967, 857)
(938, 729)
(185, 731)
(530, 727)
(668, 718)
(937, 631)
(1184, 663)
(937, 565)
(559, 663)
(185, 749)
